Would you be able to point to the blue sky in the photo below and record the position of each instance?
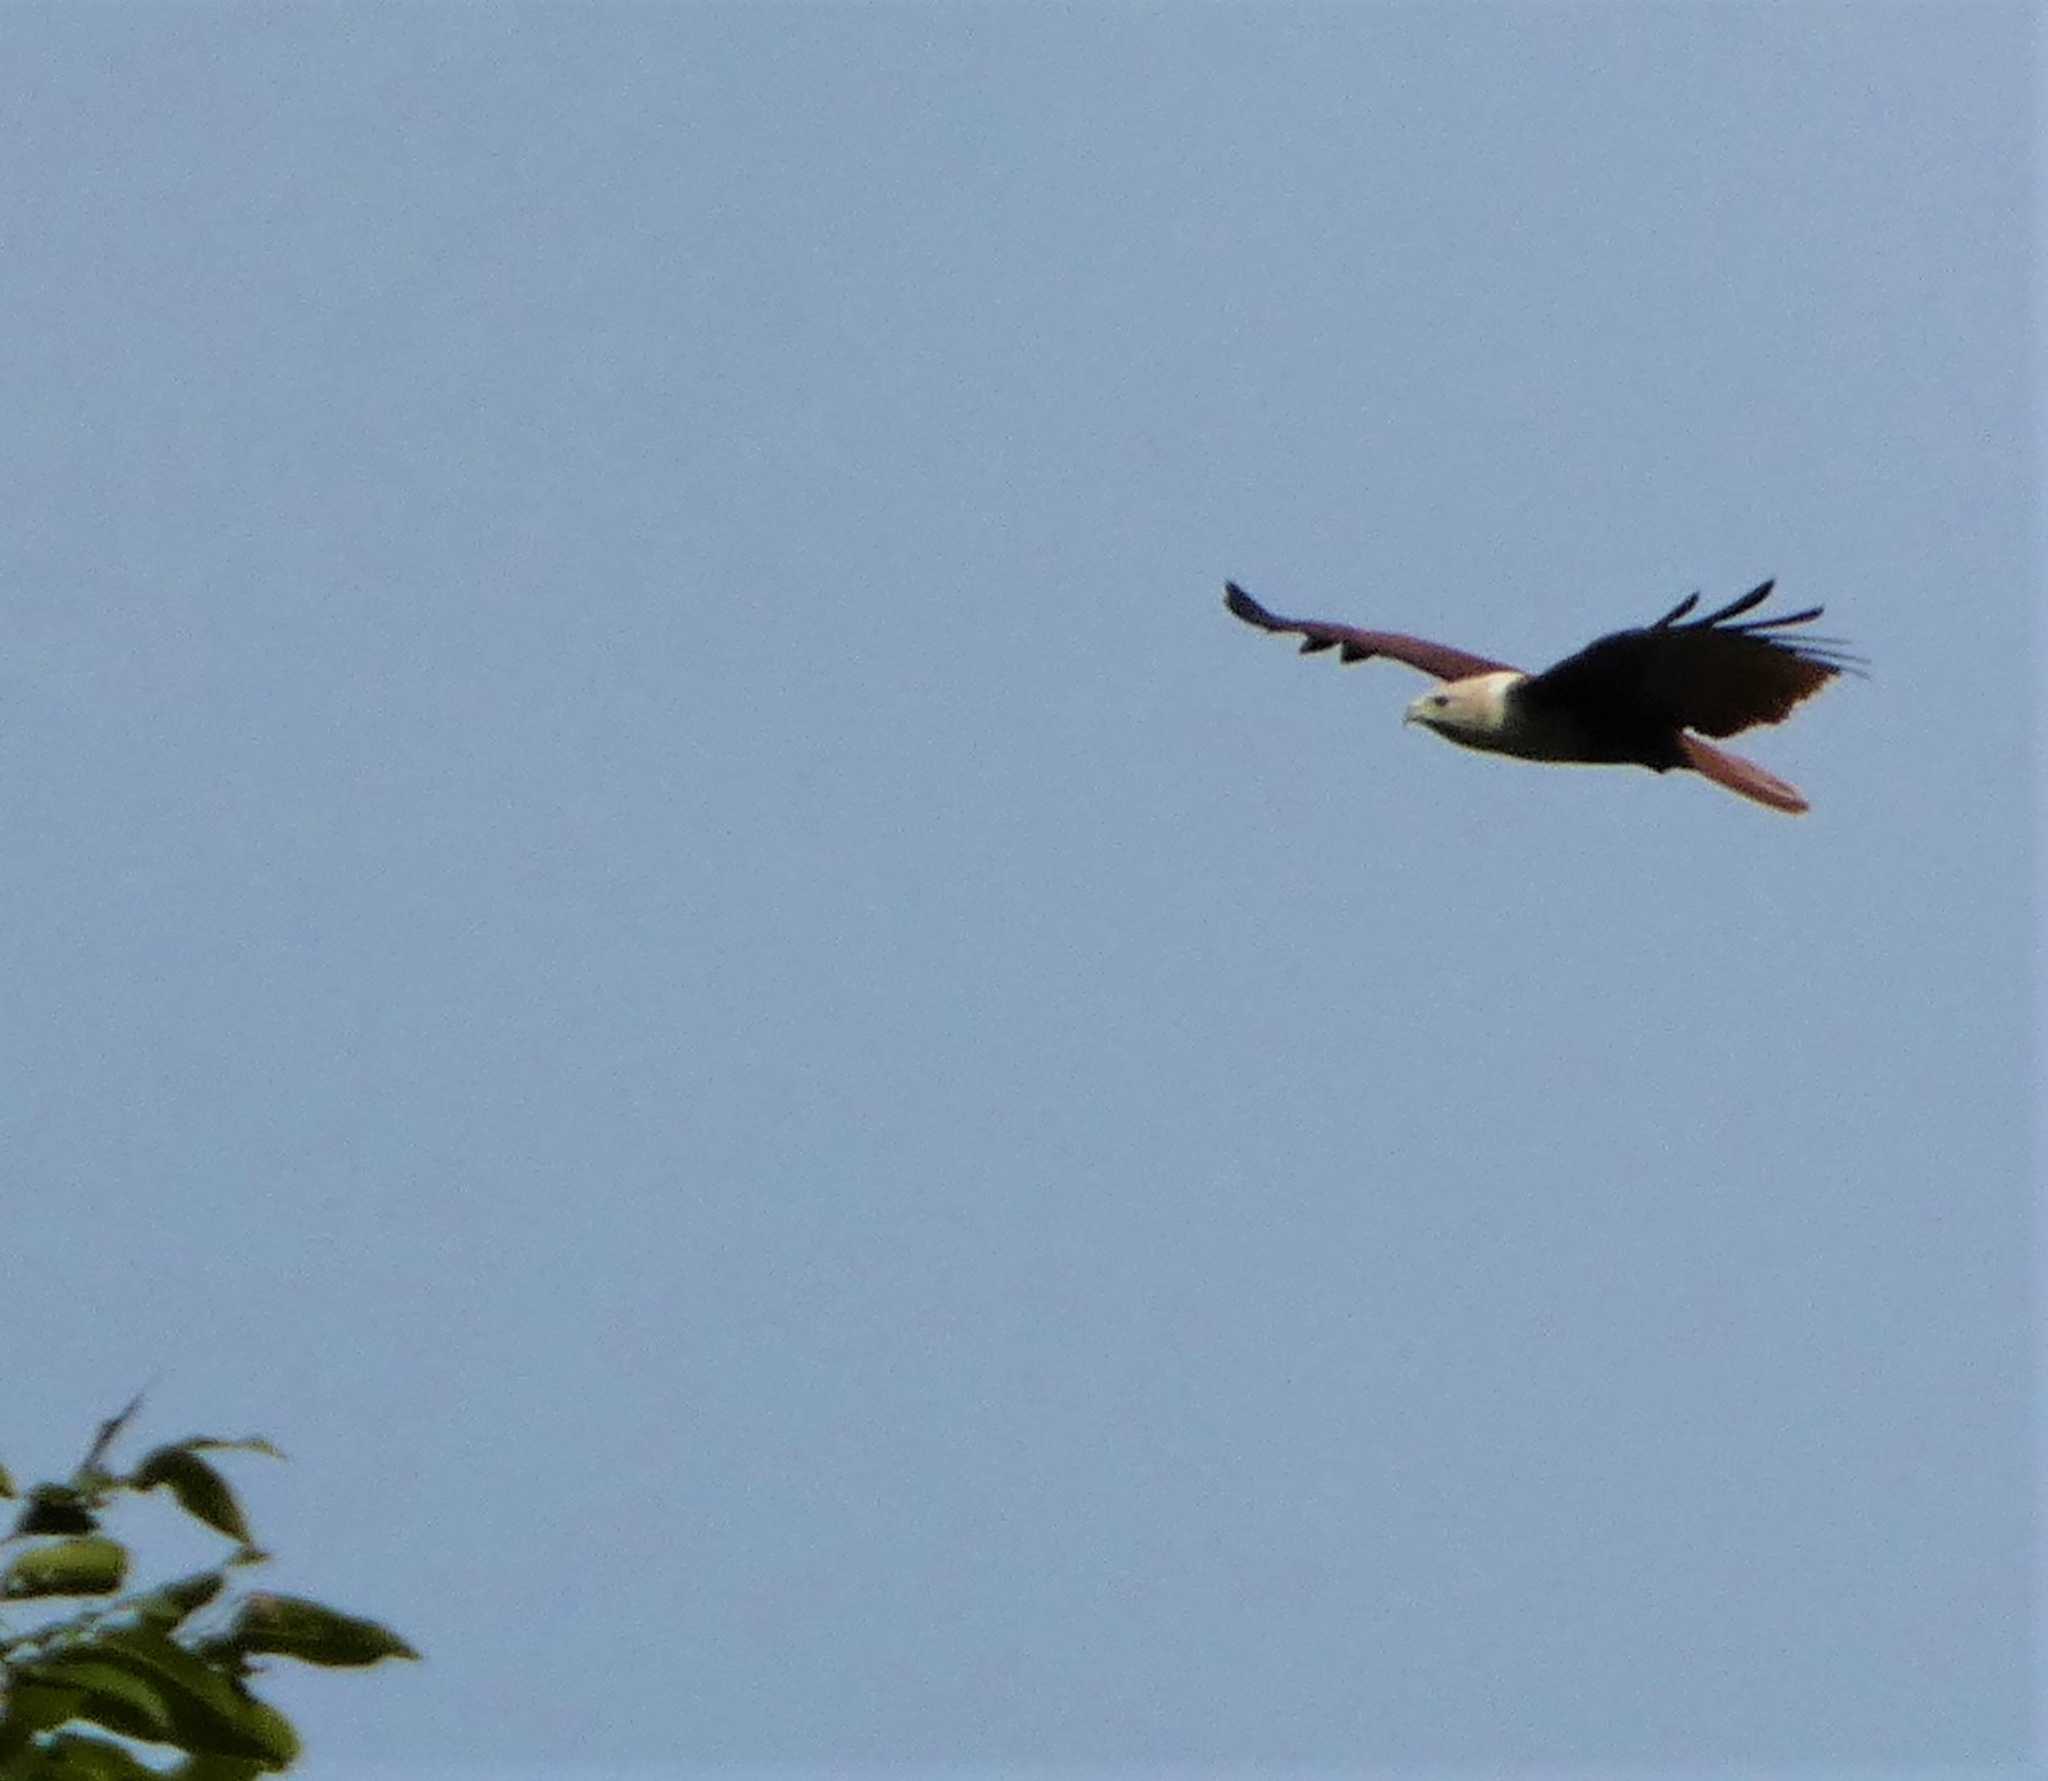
(652, 914)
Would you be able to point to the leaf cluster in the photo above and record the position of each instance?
(167, 1665)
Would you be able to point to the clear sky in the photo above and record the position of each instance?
(651, 913)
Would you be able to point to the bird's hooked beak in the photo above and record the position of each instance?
(1431, 709)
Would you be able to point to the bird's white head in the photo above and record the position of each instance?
(1473, 711)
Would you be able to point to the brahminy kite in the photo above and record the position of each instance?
(1644, 697)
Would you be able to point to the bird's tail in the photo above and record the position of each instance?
(1739, 775)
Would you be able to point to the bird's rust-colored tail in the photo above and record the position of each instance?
(1739, 775)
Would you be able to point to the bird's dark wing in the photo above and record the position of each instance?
(1353, 645)
(1709, 675)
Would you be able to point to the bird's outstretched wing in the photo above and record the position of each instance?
(1709, 675)
(1354, 645)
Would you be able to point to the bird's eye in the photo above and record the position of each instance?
(1440, 700)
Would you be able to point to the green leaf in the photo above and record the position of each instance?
(211, 1713)
(110, 1693)
(288, 1626)
(91, 1566)
(169, 1604)
(216, 1768)
(217, 1444)
(32, 1707)
(55, 1509)
(6, 1483)
(86, 1758)
(31, 1763)
(269, 1729)
(201, 1491)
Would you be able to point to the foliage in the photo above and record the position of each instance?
(169, 1665)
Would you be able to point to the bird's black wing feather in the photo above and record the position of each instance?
(1709, 675)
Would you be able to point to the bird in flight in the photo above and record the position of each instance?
(1647, 697)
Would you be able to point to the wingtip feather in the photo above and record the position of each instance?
(1243, 605)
